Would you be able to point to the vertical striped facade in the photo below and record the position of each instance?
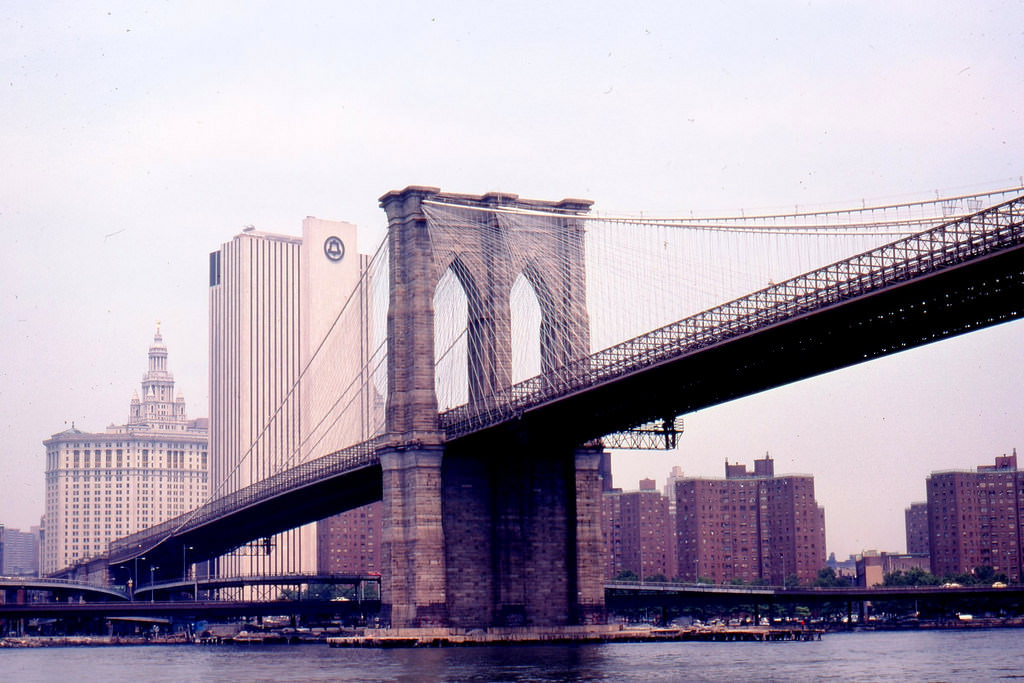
(286, 336)
(254, 367)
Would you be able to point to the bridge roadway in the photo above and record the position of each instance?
(63, 589)
(191, 585)
(333, 483)
(947, 281)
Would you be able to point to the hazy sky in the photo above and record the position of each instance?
(137, 137)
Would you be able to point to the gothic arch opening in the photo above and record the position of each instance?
(548, 334)
(526, 325)
(451, 347)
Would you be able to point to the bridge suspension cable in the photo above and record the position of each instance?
(644, 274)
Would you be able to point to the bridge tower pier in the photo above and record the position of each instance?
(488, 531)
(523, 536)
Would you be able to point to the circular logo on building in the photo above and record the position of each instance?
(334, 248)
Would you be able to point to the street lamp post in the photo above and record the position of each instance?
(136, 575)
(152, 580)
(641, 557)
(184, 567)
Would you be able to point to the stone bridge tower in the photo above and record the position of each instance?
(485, 531)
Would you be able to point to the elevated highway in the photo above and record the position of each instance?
(62, 590)
(632, 594)
(188, 610)
(193, 586)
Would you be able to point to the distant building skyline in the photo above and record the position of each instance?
(749, 526)
(19, 552)
(976, 524)
(101, 486)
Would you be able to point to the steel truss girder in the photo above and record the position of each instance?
(656, 435)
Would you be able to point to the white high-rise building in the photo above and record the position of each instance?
(288, 354)
(105, 485)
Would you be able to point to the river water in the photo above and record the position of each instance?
(960, 655)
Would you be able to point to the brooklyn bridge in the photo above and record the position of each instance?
(512, 341)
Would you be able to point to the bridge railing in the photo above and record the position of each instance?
(348, 459)
(952, 243)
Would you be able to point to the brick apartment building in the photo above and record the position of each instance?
(917, 528)
(350, 542)
(638, 532)
(752, 526)
(974, 519)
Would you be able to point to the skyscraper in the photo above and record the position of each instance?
(102, 486)
(752, 526)
(288, 357)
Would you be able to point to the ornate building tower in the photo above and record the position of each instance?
(158, 404)
(105, 485)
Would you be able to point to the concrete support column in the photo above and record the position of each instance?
(413, 587)
(468, 490)
(536, 525)
(523, 536)
(589, 565)
(413, 574)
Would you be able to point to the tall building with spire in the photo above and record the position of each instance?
(101, 486)
(159, 406)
